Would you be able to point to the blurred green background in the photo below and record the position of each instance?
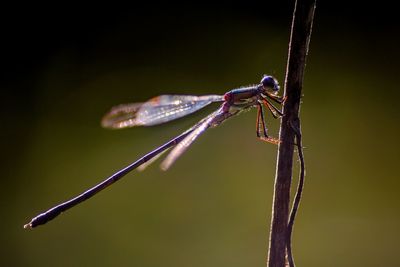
(62, 70)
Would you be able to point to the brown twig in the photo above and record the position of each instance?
(281, 227)
(296, 202)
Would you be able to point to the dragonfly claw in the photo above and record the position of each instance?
(270, 140)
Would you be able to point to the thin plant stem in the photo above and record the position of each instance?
(279, 249)
(297, 198)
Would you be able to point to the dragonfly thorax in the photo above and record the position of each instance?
(241, 95)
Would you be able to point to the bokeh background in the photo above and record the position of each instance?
(63, 67)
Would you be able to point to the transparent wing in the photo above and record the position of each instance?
(169, 107)
(157, 110)
(149, 162)
(188, 140)
(121, 116)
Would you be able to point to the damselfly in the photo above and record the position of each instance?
(165, 108)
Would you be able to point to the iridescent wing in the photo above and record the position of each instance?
(157, 110)
(188, 140)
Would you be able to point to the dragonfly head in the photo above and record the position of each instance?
(269, 84)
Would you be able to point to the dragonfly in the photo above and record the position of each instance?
(165, 108)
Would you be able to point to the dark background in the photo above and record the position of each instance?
(63, 67)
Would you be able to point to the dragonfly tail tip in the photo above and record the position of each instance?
(28, 226)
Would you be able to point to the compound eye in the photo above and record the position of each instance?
(270, 83)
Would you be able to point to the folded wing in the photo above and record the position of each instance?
(181, 147)
(157, 110)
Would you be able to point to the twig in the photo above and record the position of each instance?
(298, 48)
(297, 198)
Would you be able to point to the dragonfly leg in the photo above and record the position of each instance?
(263, 120)
(270, 109)
(260, 115)
(271, 140)
(258, 120)
(274, 110)
(278, 99)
